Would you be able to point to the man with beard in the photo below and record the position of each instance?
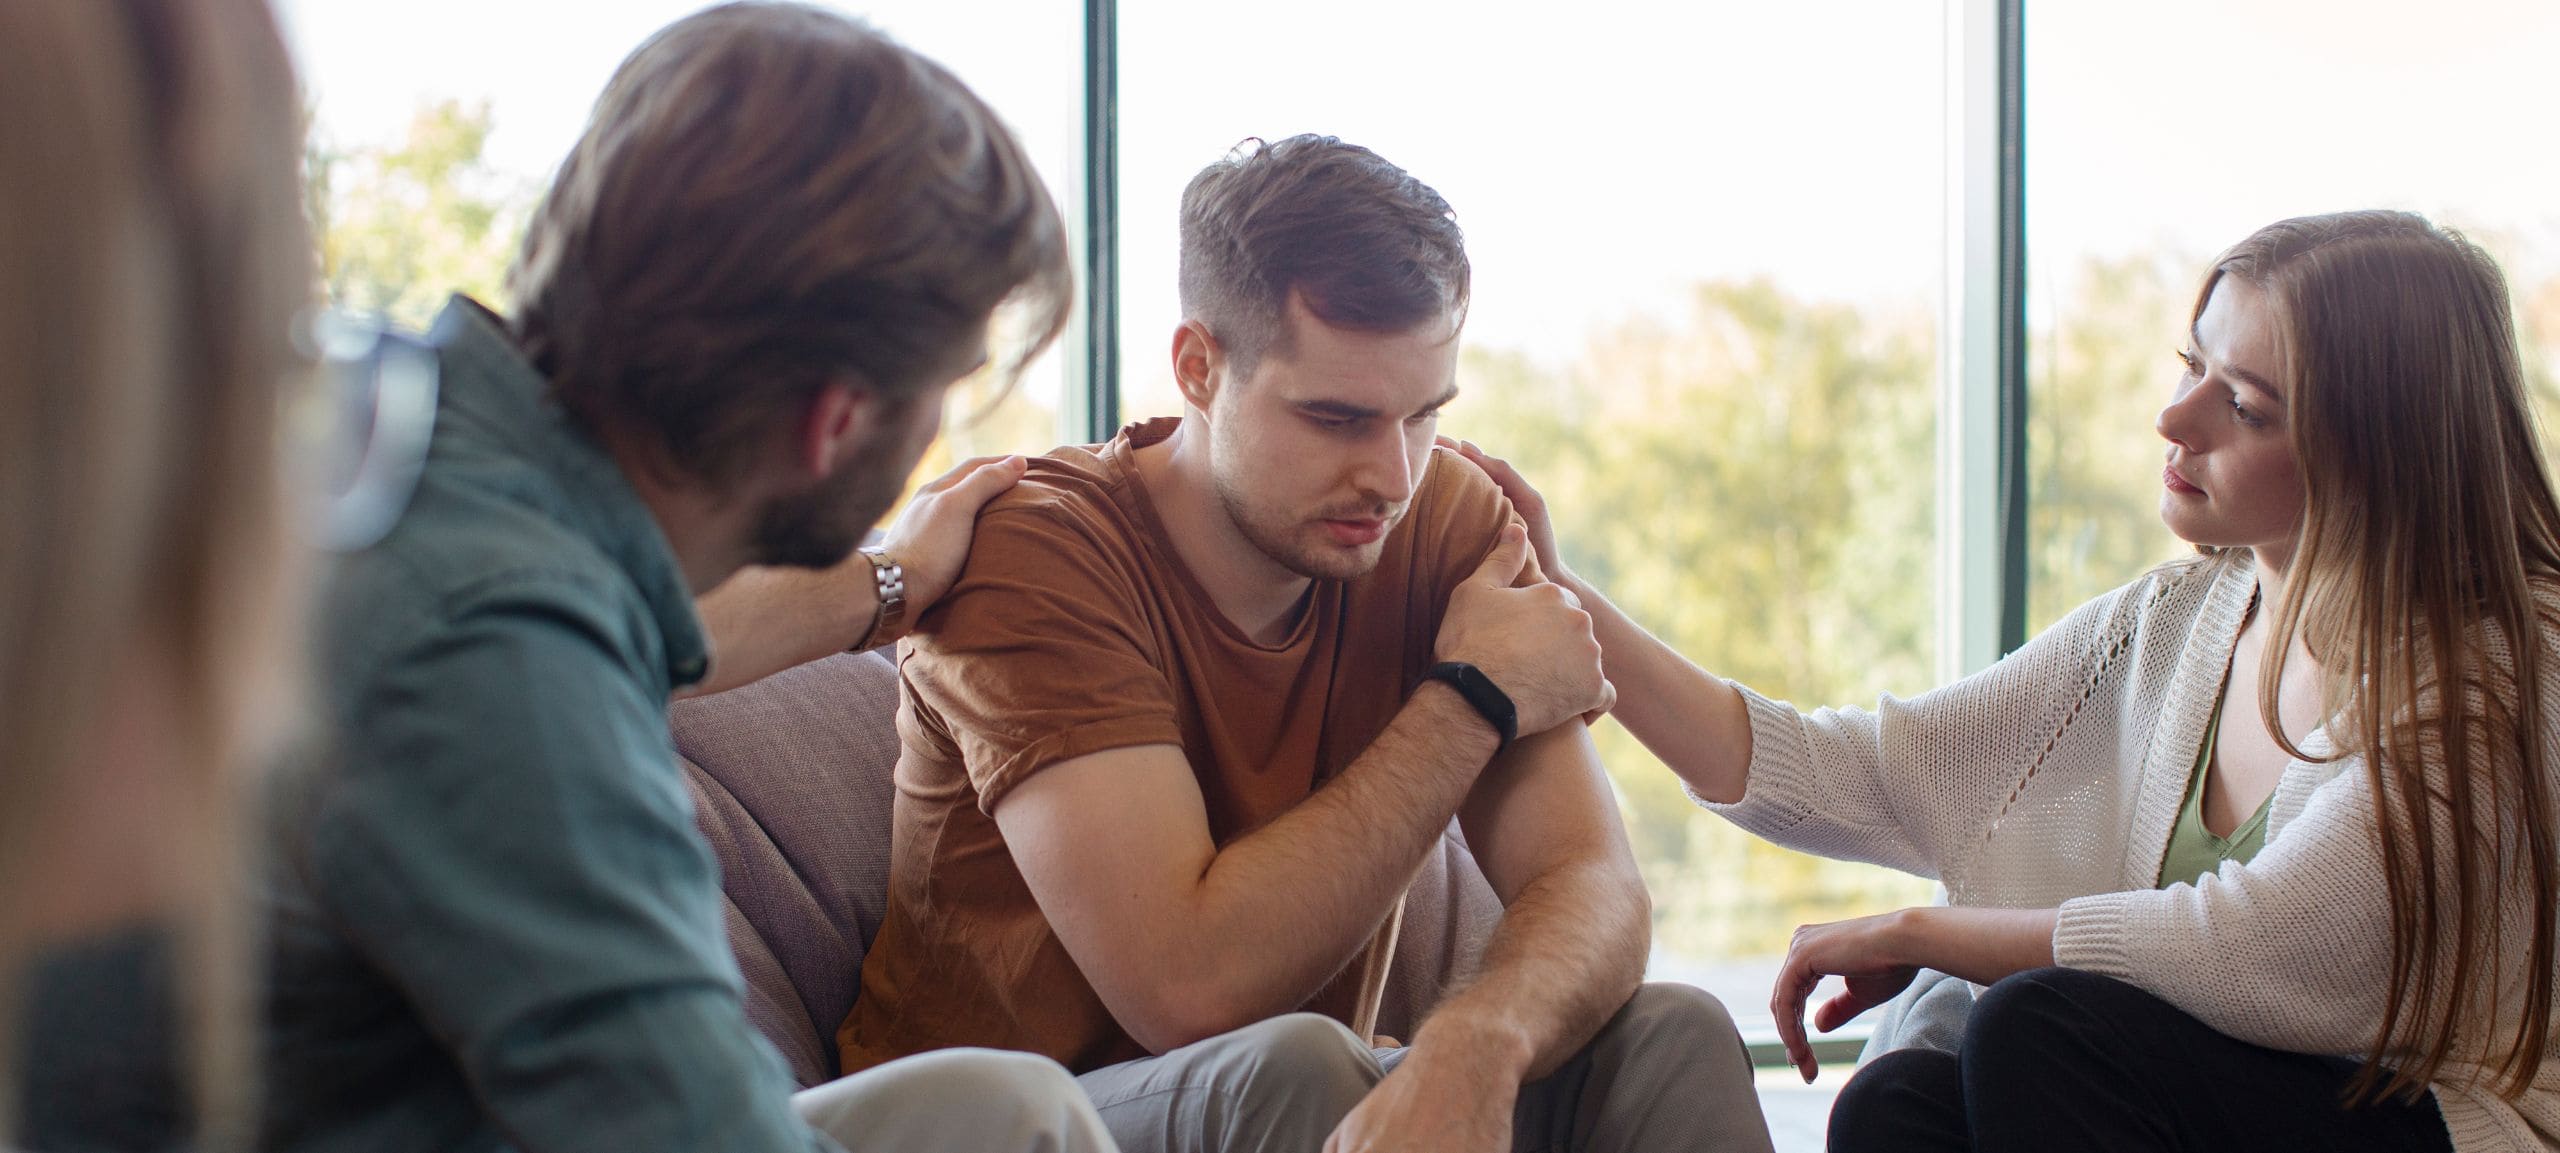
(779, 241)
(1206, 696)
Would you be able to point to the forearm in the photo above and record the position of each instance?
(1978, 945)
(764, 620)
(1278, 912)
(1695, 722)
(1569, 952)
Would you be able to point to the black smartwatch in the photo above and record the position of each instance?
(1480, 691)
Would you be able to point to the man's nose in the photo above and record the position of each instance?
(1389, 464)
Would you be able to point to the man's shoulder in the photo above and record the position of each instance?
(461, 557)
(1455, 514)
(1070, 502)
(1073, 477)
(1454, 488)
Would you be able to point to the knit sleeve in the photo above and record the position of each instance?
(1907, 784)
(2287, 951)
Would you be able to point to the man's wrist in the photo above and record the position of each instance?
(889, 613)
(1500, 1053)
(1481, 694)
(1458, 718)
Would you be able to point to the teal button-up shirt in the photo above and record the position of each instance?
(494, 924)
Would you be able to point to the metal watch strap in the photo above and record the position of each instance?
(1481, 693)
(889, 581)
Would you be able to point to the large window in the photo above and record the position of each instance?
(435, 127)
(1710, 245)
(2157, 136)
(1707, 246)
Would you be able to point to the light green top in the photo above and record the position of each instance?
(2193, 850)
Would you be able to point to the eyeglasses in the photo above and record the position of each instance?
(358, 434)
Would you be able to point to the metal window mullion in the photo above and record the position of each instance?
(2014, 493)
(1969, 522)
(1100, 319)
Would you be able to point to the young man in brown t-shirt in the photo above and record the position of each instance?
(1207, 695)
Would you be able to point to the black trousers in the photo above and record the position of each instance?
(2061, 1059)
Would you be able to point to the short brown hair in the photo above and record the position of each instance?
(771, 198)
(1362, 242)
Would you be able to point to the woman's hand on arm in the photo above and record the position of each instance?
(1878, 956)
(1695, 722)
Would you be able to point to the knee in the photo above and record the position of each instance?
(2029, 1017)
(1672, 1014)
(1295, 1077)
(1308, 1057)
(1677, 1038)
(1026, 1080)
(981, 1098)
(1892, 1097)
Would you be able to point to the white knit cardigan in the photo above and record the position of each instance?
(2053, 779)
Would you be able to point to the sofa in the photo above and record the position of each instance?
(792, 785)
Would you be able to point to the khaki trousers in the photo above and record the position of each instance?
(1667, 1074)
(957, 1101)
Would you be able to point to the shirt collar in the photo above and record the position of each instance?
(493, 391)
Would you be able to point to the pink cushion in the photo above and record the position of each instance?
(792, 787)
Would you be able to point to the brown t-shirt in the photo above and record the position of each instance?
(1074, 629)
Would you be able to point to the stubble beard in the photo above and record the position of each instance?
(820, 526)
(1285, 540)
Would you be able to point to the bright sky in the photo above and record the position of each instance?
(1603, 155)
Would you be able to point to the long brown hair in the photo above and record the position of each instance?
(152, 253)
(2423, 584)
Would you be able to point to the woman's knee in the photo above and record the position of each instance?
(2032, 1022)
(1895, 1098)
(2040, 1005)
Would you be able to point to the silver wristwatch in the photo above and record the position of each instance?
(890, 579)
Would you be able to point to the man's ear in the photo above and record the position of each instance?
(832, 426)
(1199, 364)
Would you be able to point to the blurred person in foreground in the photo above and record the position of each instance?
(737, 312)
(2261, 850)
(152, 257)
(1272, 646)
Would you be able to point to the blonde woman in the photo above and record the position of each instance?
(2258, 850)
(152, 255)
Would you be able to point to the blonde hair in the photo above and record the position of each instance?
(152, 254)
(2427, 572)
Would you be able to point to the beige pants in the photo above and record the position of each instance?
(957, 1101)
(1667, 1074)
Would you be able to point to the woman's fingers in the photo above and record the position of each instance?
(1835, 1010)
(1513, 485)
(1786, 1006)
